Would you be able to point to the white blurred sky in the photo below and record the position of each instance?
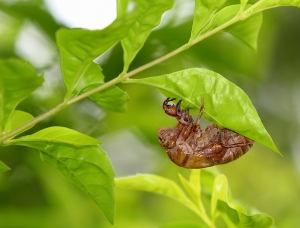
(90, 14)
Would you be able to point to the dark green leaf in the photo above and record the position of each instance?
(204, 10)
(247, 30)
(112, 98)
(79, 47)
(150, 13)
(3, 167)
(225, 103)
(79, 158)
(17, 119)
(17, 81)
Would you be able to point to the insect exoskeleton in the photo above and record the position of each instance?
(189, 146)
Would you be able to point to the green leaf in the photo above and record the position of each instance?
(79, 47)
(3, 167)
(234, 215)
(246, 30)
(17, 119)
(60, 135)
(17, 81)
(79, 158)
(225, 103)
(185, 224)
(204, 10)
(192, 186)
(112, 98)
(155, 184)
(150, 13)
(266, 4)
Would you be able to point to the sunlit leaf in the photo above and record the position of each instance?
(234, 215)
(3, 167)
(266, 4)
(17, 81)
(79, 47)
(185, 224)
(204, 10)
(17, 119)
(150, 13)
(79, 158)
(246, 30)
(225, 103)
(193, 185)
(60, 135)
(155, 184)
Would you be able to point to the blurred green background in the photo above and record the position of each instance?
(33, 194)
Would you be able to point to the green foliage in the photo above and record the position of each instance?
(79, 158)
(233, 215)
(225, 103)
(13, 90)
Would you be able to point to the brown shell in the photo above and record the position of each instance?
(190, 147)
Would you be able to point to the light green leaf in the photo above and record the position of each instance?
(234, 215)
(243, 2)
(225, 103)
(155, 184)
(17, 119)
(193, 185)
(60, 135)
(185, 224)
(267, 4)
(112, 98)
(3, 167)
(17, 81)
(79, 159)
(247, 30)
(150, 13)
(79, 47)
(204, 10)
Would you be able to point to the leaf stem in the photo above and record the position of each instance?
(121, 78)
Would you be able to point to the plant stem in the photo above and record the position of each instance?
(121, 78)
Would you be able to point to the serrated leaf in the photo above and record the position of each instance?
(79, 159)
(112, 98)
(17, 119)
(155, 184)
(150, 13)
(79, 47)
(18, 80)
(204, 10)
(246, 30)
(3, 167)
(266, 4)
(225, 103)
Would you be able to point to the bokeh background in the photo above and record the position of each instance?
(34, 194)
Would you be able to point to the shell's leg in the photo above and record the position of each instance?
(201, 112)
